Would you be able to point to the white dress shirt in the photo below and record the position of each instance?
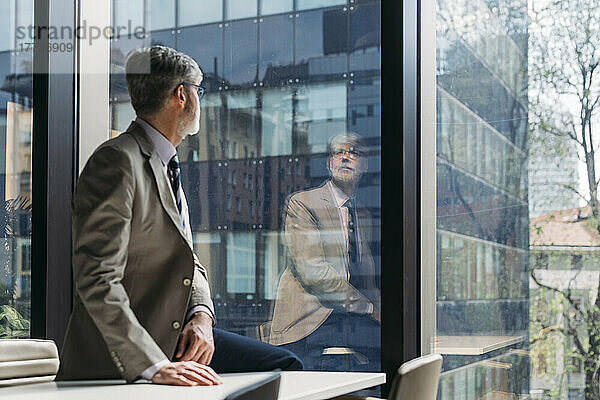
(340, 198)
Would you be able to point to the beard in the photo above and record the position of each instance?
(345, 179)
(190, 124)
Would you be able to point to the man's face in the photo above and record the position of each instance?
(347, 164)
(190, 124)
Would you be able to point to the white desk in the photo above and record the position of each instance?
(304, 385)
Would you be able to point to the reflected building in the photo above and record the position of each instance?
(281, 81)
(482, 199)
(16, 102)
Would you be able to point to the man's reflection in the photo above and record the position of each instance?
(327, 306)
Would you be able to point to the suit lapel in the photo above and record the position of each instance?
(164, 188)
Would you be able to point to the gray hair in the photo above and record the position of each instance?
(152, 74)
(348, 138)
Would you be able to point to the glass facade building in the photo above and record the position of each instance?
(482, 200)
(283, 78)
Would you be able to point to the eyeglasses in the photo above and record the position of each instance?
(352, 153)
(201, 89)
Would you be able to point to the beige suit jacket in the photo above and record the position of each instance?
(135, 271)
(317, 278)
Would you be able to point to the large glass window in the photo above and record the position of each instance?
(162, 14)
(241, 52)
(276, 55)
(275, 6)
(192, 12)
(236, 9)
(321, 43)
(482, 301)
(307, 4)
(285, 218)
(16, 100)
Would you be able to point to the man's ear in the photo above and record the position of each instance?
(181, 95)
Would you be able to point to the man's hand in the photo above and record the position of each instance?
(196, 341)
(186, 373)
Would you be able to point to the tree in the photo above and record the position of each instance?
(564, 93)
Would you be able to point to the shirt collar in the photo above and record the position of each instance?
(338, 195)
(163, 146)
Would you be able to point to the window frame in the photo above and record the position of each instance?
(53, 174)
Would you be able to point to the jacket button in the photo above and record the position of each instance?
(176, 325)
(121, 369)
(187, 282)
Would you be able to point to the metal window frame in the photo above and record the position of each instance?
(428, 118)
(400, 281)
(54, 139)
(408, 182)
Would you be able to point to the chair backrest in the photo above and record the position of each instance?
(27, 361)
(417, 379)
(267, 389)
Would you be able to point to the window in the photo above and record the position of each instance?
(16, 102)
(322, 42)
(482, 216)
(276, 57)
(276, 6)
(192, 12)
(162, 14)
(307, 4)
(241, 52)
(236, 9)
(279, 89)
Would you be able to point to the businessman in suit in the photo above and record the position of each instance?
(327, 296)
(143, 307)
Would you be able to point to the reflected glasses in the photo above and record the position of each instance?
(352, 154)
(201, 89)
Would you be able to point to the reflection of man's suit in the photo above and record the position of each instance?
(134, 265)
(316, 280)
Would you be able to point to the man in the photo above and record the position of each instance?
(143, 306)
(327, 296)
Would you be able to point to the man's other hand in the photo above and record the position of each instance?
(186, 373)
(196, 341)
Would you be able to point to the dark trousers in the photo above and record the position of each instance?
(357, 332)
(236, 353)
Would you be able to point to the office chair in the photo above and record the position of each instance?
(25, 361)
(415, 380)
(267, 389)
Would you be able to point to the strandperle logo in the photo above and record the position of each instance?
(81, 32)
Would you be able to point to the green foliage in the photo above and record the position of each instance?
(12, 324)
